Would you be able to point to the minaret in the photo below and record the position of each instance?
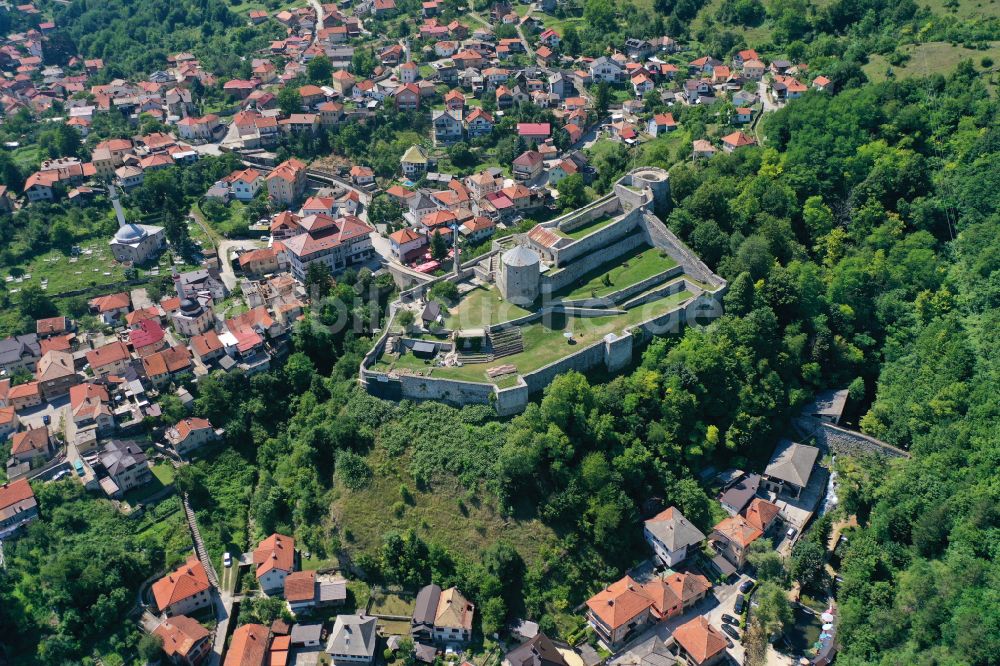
(178, 284)
(119, 213)
(454, 246)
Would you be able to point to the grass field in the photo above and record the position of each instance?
(442, 514)
(966, 8)
(589, 228)
(164, 472)
(480, 307)
(633, 267)
(544, 342)
(930, 58)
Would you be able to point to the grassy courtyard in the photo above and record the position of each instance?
(588, 228)
(637, 265)
(544, 343)
(481, 307)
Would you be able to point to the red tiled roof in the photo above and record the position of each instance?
(185, 581)
(700, 640)
(275, 552)
(15, 492)
(180, 634)
(248, 646)
(300, 586)
(620, 602)
(109, 353)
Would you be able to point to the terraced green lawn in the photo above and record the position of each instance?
(481, 307)
(544, 342)
(596, 224)
(641, 263)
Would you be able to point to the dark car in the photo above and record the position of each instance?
(729, 619)
(732, 632)
(746, 586)
(741, 602)
(46, 419)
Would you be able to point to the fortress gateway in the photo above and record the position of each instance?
(579, 292)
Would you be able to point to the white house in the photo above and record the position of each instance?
(669, 534)
(273, 560)
(605, 69)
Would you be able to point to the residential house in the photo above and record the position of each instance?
(56, 374)
(761, 514)
(334, 243)
(160, 368)
(111, 307)
(822, 83)
(638, 49)
(304, 591)
(787, 87)
(362, 176)
(661, 123)
(528, 165)
(287, 182)
(249, 644)
(185, 641)
(743, 115)
(352, 640)
(126, 467)
(189, 434)
(414, 162)
(343, 82)
(619, 612)
(90, 405)
(244, 184)
(702, 148)
(753, 69)
(534, 132)
(111, 359)
(737, 139)
(442, 616)
(790, 468)
(259, 262)
(207, 347)
(739, 494)
(670, 534)
(19, 353)
(24, 396)
(676, 593)
(33, 446)
(701, 643)
(478, 123)
(407, 244)
(605, 69)
(50, 326)
(732, 538)
(9, 422)
(641, 83)
(407, 97)
(18, 507)
(447, 127)
(536, 651)
(477, 229)
(183, 590)
(273, 560)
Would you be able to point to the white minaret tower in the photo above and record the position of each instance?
(454, 246)
(119, 212)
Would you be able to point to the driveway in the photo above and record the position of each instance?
(226, 266)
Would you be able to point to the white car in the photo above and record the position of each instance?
(227, 560)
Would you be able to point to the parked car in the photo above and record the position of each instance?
(732, 632)
(729, 619)
(740, 604)
(227, 560)
(747, 585)
(46, 419)
(791, 530)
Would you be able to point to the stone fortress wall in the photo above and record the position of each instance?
(632, 199)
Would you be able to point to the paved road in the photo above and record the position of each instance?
(520, 33)
(319, 18)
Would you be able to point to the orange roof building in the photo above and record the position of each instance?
(619, 611)
(702, 643)
(248, 646)
(184, 590)
(184, 640)
(273, 560)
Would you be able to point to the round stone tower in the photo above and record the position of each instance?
(657, 180)
(520, 275)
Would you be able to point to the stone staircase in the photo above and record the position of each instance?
(474, 357)
(507, 342)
